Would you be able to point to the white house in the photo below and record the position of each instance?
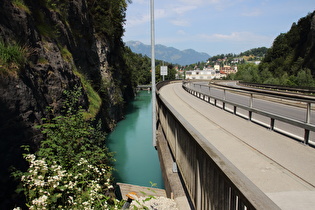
(217, 67)
(201, 74)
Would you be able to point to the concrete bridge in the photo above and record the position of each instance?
(144, 87)
(228, 162)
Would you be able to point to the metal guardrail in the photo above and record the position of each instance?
(273, 117)
(272, 93)
(212, 181)
(309, 90)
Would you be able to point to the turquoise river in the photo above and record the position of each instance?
(137, 160)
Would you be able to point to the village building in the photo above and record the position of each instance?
(209, 73)
(228, 69)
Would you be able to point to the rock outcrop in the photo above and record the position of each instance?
(57, 43)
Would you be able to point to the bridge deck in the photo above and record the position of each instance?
(282, 168)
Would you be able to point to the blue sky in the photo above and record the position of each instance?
(214, 26)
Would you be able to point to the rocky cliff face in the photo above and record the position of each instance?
(57, 43)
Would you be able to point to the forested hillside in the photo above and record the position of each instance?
(290, 61)
(293, 51)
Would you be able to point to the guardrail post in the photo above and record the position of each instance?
(272, 124)
(209, 95)
(308, 120)
(250, 113)
(306, 136)
(308, 112)
(224, 94)
(251, 101)
(224, 98)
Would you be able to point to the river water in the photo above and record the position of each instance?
(137, 160)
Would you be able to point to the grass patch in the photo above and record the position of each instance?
(12, 57)
(95, 100)
(66, 54)
(21, 5)
(43, 25)
(43, 60)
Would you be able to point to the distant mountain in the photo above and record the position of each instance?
(168, 54)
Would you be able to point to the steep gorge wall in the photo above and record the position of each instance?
(57, 44)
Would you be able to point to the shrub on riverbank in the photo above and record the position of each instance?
(72, 168)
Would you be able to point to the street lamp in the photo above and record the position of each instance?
(153, 75)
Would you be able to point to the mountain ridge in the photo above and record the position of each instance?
(168, 54)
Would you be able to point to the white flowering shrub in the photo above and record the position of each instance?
(72, 168)
(49, 186)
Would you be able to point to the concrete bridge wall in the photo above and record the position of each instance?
(212, 182)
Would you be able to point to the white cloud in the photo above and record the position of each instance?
(236, 37)
(139, 1)
(137, 20)
(252, 13)
(181, 32)
(200, 2)
(182, 6)
(185, 8)
(160, 13)
(180, 22)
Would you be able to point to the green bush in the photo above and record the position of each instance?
(50, 186)
(72, 168)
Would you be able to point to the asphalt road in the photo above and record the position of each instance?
(281, 167)
(293, 111)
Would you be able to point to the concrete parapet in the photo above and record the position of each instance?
(173, 186)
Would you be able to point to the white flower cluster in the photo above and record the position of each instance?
(40, 202)
(81, 188)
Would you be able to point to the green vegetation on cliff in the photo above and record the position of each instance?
(51, 46)
(12, 57)
(293, 51)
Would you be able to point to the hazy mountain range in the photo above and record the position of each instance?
(168, 54)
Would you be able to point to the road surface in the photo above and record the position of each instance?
(288, 109)
(281, 167)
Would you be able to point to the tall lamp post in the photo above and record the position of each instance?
(153, 75)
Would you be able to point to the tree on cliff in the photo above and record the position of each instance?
(292, 53)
